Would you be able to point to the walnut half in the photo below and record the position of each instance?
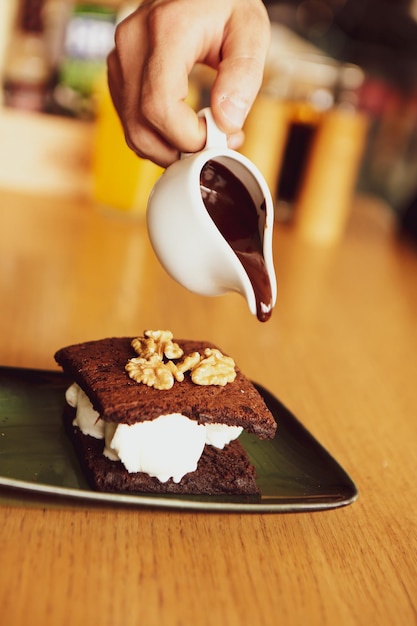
(214, 369)
(157, 342)
(150, 371)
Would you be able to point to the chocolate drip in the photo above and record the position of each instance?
(235, 214)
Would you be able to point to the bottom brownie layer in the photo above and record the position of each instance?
(221, 472)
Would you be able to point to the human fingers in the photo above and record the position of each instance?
(198, 36)
(114, 80)
(155, 51)
(232, 36)
(240, 71)
(179, 33)
(125, 66)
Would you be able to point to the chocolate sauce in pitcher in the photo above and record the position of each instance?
(235, 214)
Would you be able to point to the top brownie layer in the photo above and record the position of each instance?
(99, 369)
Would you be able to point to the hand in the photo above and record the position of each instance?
(155, 50)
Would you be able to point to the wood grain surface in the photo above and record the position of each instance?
(340, 351)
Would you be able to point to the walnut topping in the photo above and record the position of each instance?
(214, 369)
(188, 363)
(151, 371)
(150, 368)
(157, 342)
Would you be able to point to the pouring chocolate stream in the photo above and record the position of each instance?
(235, 214)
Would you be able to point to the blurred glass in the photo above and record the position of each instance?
(87, 38)
(307, 135)
(379, 36)
(390, 162)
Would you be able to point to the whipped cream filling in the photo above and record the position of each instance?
(169, 446)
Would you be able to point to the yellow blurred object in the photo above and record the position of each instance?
(122, 180)
(266, 132)
(323, 205)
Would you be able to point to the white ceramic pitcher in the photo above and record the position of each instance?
(185, 238)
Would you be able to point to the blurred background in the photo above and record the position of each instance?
(336, 115)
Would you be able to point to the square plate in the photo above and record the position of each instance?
(295, 473)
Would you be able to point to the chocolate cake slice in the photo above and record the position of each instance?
(99, 369)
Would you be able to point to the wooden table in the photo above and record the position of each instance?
(340, 351)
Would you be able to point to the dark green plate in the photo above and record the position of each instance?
(295, 473)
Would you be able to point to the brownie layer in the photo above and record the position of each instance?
(219, 472)
(99, 368)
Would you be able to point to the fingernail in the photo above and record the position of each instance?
(235, 141)
(235, 111)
